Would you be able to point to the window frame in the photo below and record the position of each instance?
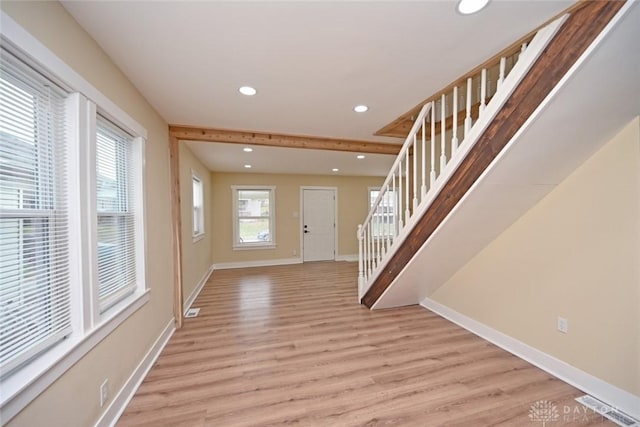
(198, 229)
(237, 243)
(89, 325)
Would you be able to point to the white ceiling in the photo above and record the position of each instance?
(311, 61)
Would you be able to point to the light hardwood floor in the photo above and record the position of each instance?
(289, 345)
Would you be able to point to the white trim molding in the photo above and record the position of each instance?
(123, 397)
(608, 393)
(191, 298)
(261, 263)
(347, 258)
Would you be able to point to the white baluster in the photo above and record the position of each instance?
(415, 172)
(483, 89)
(387, 221)
(400, 211)
(407, 213)
(467, 120)
(366, 261)
(424, 161)
(503, 67)
(368, 256)
(378, 234)
(443, 133)
(368, 247)
(395, 212)
(360, 261)
(523, 48)
(432, 175)
(454, 138)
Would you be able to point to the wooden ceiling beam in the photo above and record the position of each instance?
(190, 133)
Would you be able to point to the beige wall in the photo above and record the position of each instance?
(73, 399)
(352, 210)
(196, 256)
(577, 255)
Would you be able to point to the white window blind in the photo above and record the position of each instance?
(116, 251)
(198, 206)
(34, 247)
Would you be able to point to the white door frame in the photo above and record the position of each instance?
(335, 216)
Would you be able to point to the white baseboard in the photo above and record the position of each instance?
(122, 399)
(189, 301)
(608, 393)
(348, 258)
(262, 263)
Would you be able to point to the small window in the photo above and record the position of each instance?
(254, 217)
(198, 206)
(384, 218)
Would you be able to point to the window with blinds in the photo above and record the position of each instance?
(198, 206)
(116, 251)
(34, 229)
(72, 220)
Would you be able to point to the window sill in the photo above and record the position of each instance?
(249, 247)
(23, 386)
(198, 237)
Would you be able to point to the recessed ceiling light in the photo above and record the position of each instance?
(335, 169)
(467, 7)
(247, 149)
(360, 156)
(247, 90)
(360, 108)
(247, 166)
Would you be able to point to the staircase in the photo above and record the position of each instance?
(451, 149)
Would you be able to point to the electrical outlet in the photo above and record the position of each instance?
(104, 392)
(295, 252)
(563, 325)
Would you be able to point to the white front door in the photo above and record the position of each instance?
(318, 224)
